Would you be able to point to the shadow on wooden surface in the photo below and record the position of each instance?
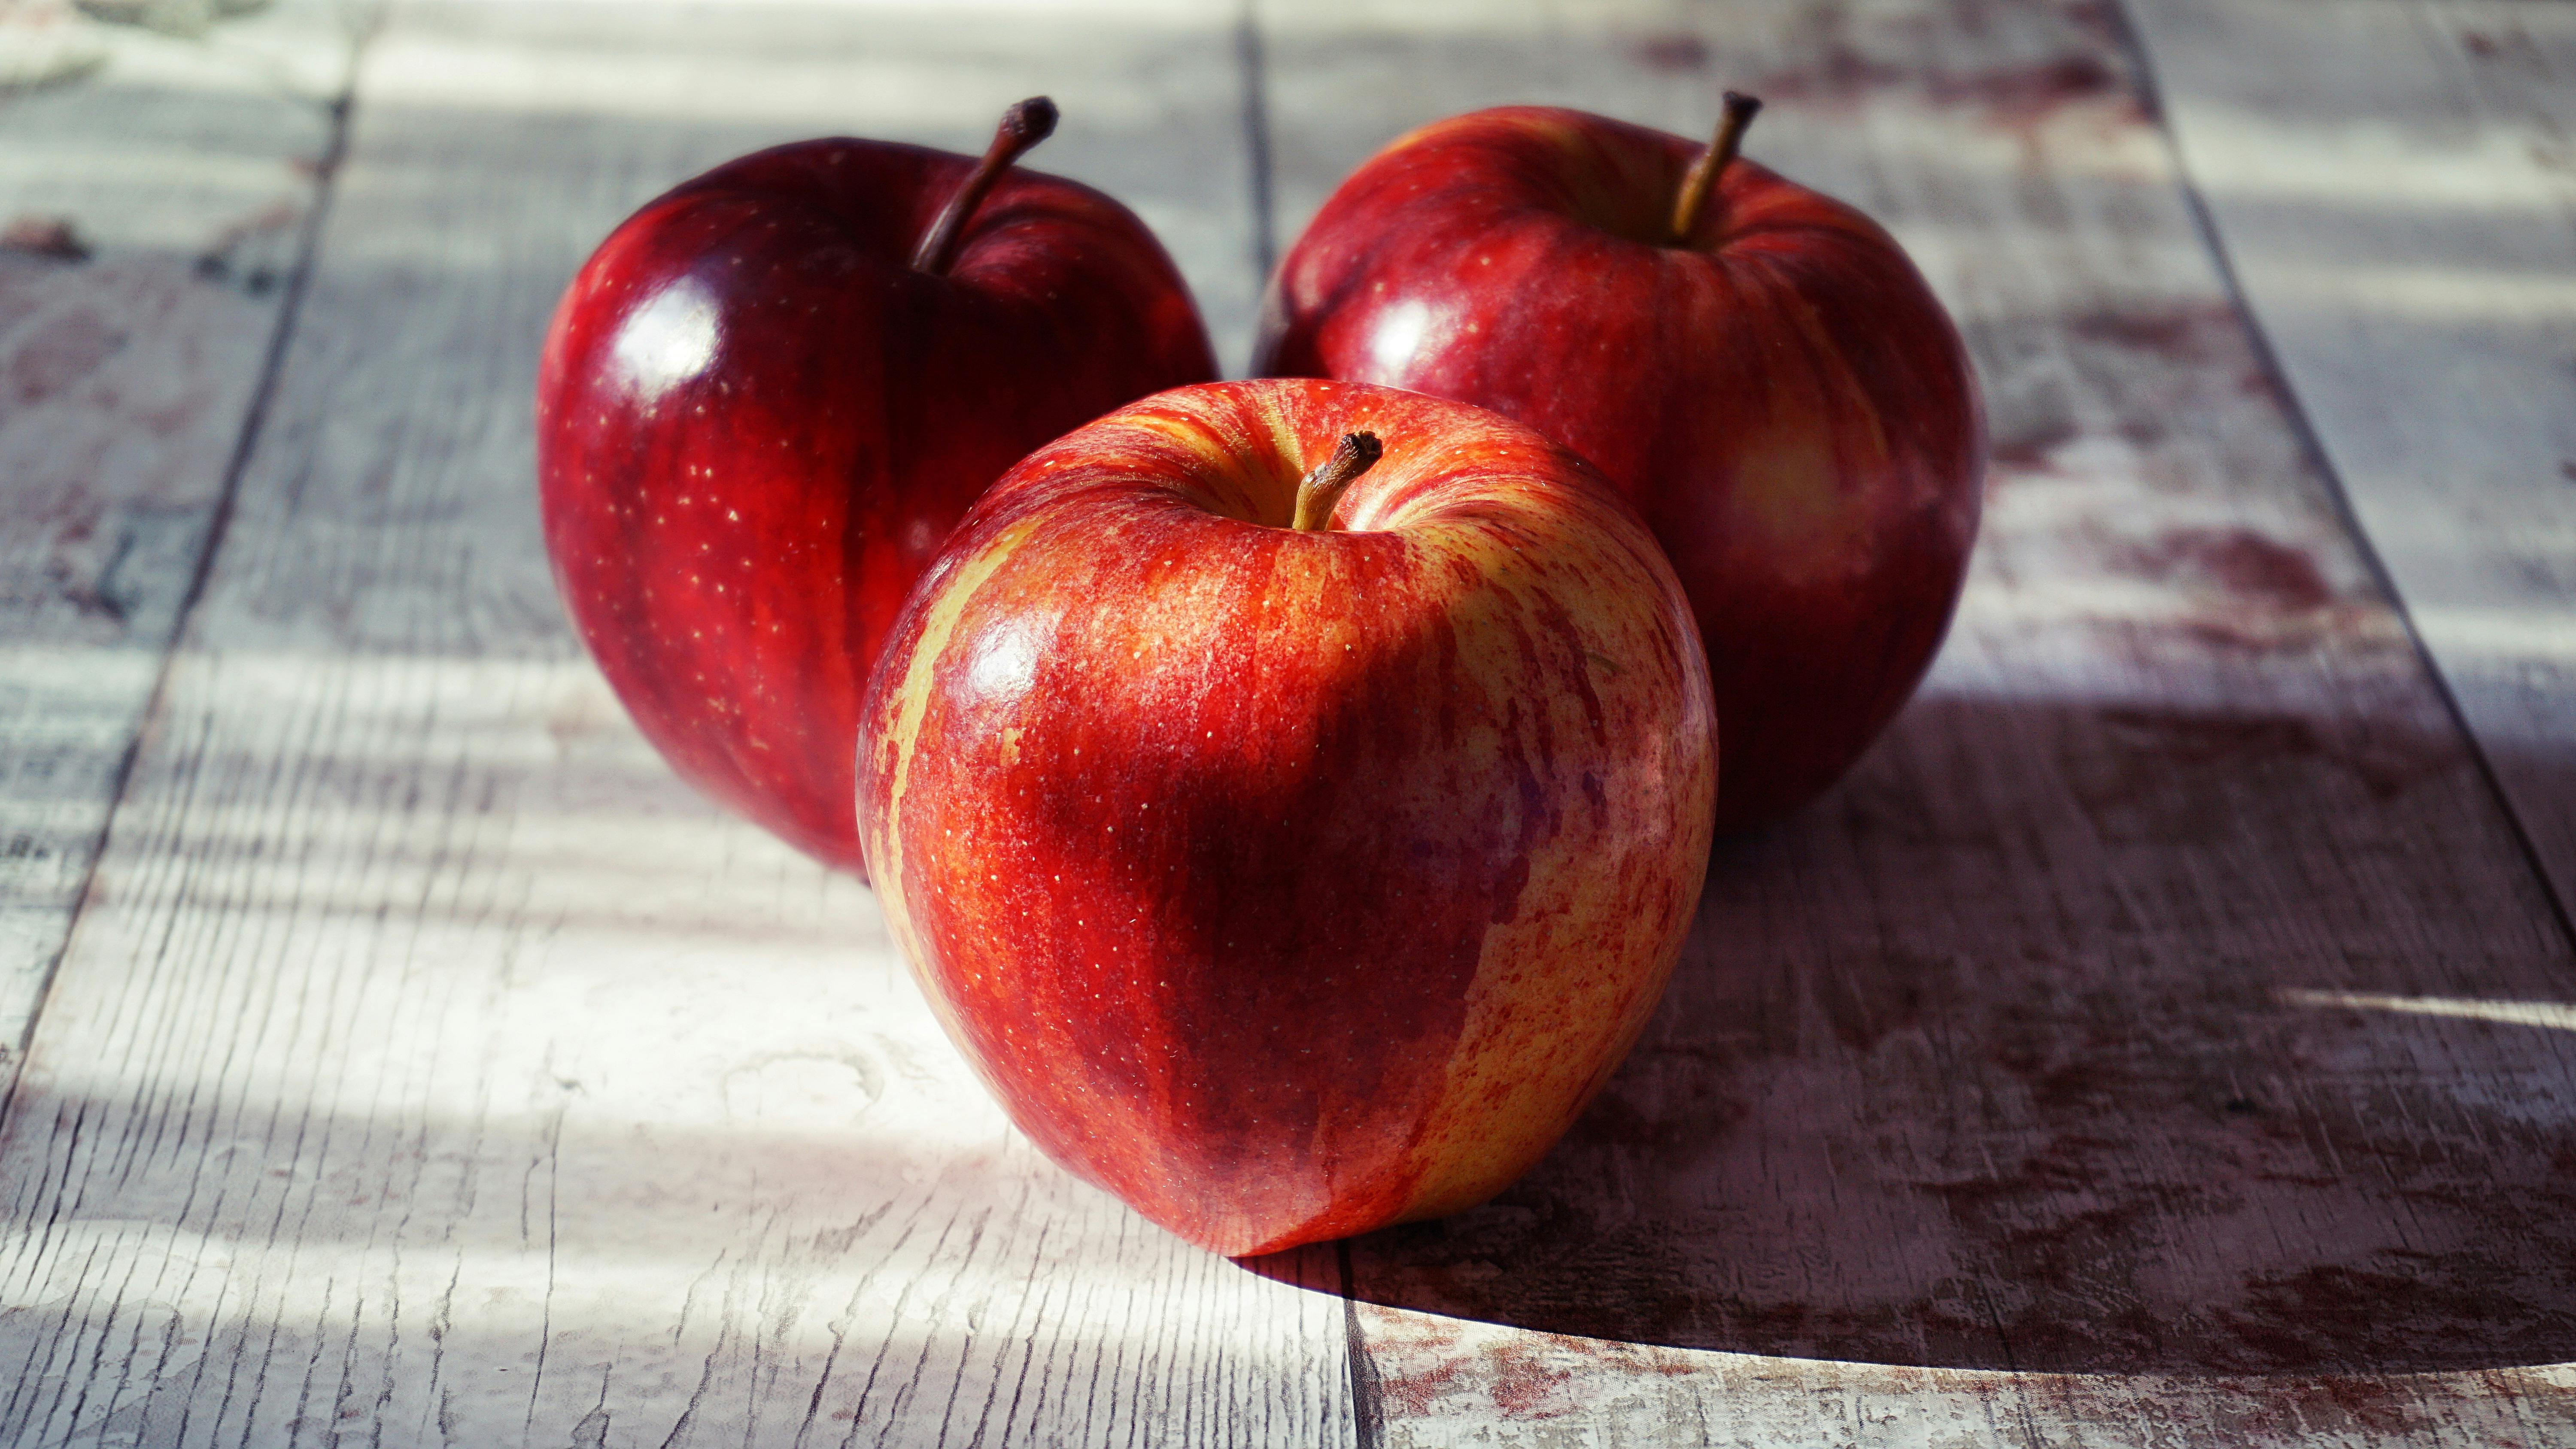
(2117, 1080)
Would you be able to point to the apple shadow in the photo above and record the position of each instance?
(2083, 1039)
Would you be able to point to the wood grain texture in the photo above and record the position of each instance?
(158, 189)
(1490, 1384)
(2161, 1036)
(2161, 1039)
(429, 1066)
(2395, 181)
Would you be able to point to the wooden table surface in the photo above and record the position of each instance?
(2166, 1036)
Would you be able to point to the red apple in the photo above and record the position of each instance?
(1758, 366)
(770, 394)
(1288, 880)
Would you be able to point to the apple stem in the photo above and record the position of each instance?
(1023, 126)
(1321, 489)
(1702, 179)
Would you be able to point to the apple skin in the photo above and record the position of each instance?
(756, 423)
(1289, 884)
(1782, 398)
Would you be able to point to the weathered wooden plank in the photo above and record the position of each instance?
(153, 192)
(1498, 1385)
(2038, 1085)
(429, 1065)
(2395, 184)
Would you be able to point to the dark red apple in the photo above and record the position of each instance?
(1758, 366)
(769, 395)
(1289, 879)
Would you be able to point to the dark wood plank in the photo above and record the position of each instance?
(430, 1066)
(2166, 1002)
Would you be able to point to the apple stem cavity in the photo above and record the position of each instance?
(1023, 126)
(1320, 490)
(1702, 180)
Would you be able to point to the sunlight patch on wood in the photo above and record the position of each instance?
(2558, 1014)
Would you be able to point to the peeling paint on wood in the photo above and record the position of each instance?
(2159, 1040)
(2397, 207)
(125, 382)
(430, 1065)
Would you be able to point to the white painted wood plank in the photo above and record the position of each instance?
(184, 168)
(2395, 183)
(2035, 1086)
(429, 1065)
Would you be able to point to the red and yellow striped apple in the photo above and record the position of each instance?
(1758, 366)
(1292, 875)
(768, 396)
